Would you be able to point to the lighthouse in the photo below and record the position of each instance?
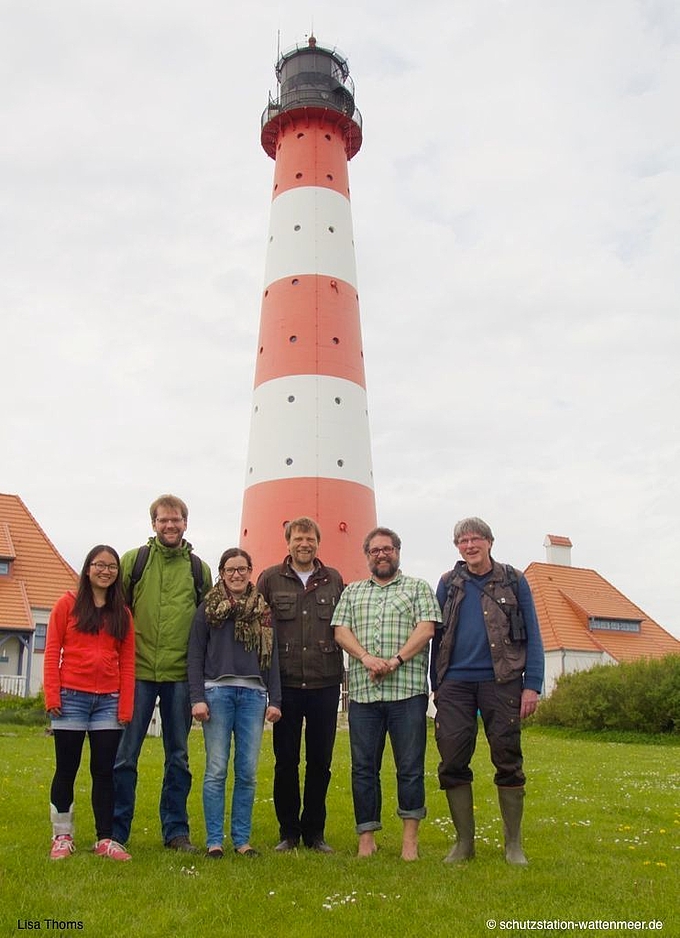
(309, 451)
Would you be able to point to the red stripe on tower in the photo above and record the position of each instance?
(310, 448)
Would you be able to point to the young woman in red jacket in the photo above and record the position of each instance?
(89, 679)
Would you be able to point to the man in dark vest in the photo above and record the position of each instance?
(487, 657)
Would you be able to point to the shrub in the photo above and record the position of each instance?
(26, 711)
(642, 695)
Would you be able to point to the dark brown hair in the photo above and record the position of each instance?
(113, 617)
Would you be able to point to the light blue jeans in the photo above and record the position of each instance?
(238, 711)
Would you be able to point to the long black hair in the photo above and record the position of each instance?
(113, 616)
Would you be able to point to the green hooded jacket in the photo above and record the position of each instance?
(163, 608)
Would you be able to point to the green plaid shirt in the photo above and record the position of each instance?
(382, 618)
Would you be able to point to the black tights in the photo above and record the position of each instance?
(68, 745)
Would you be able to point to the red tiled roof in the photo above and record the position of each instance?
(567, 597)
(6, 545)
(558, 541)
(39, 566)
(15, 610)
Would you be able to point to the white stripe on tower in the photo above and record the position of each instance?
(309, 451)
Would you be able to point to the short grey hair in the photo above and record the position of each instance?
(472, 526)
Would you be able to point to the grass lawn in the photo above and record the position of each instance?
(602, 833)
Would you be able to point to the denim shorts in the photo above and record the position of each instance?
(83, 711)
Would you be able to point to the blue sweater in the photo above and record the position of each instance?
(471, 658)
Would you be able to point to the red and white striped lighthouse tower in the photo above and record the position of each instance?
(309, 450)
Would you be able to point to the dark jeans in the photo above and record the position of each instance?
(456, 730)
(369, 724)
(175, 710)
(319, 710)
(68, 747)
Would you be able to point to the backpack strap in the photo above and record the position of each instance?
(197, 574)
(136, 575)
(138, 569)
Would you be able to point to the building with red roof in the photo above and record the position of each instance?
(33, 575)
(585, 620)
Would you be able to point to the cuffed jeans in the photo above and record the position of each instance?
(456, 730)
(369, 724)
(173, 697)
(239, 711)
(318, 707)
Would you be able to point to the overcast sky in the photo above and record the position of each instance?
(516, 208)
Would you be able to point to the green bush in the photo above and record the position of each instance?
(642, 695)
(25, 711)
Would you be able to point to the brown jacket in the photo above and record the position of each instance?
(308, 655)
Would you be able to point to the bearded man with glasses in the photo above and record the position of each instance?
(163, 601)
(385, 624)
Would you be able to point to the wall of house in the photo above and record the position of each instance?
(558, 663)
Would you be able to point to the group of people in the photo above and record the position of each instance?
(150, 628)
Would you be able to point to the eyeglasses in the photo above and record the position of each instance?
(100, 567)
(163, 522)
(232, 571)
(464, 541)
(377, 551)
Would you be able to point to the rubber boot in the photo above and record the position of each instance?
(511, 801)
(460, 805)
(62, 821)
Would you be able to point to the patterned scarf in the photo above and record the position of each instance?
(251, 615)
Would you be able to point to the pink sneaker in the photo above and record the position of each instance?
(110, 848)
(62, 846)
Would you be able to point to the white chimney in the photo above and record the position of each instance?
(557, 550)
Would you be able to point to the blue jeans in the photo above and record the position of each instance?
(173, 697)
(237, 710)
(369, 724)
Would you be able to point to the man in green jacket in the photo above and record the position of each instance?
(163, 596)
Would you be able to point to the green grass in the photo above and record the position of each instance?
(601, 831)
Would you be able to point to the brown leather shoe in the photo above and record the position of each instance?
(320, 846)
(286, 845)
(182, 844)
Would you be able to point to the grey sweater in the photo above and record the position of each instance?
(214, 653)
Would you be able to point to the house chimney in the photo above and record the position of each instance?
(557, 550)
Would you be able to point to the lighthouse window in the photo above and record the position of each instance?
(338, 400)
(331, 229)
(298, 175)
(336, 340)
(289, 461)
(300, 135)
(295, 281)
(341, 462)
(297, 228)
(329, 177)
(293, 338)
(328, 136)
(291, 398)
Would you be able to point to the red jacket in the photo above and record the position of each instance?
(97, 664)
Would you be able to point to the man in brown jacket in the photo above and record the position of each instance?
(302, 594)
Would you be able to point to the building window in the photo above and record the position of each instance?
(614, 625)
(4, 567)
(39, 636)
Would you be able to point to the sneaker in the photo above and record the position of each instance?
(182, 844)
(62, 846)
(110, 848)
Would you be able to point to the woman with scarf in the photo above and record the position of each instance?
(235, 685)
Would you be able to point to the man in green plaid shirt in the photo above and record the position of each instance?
(385, 625)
